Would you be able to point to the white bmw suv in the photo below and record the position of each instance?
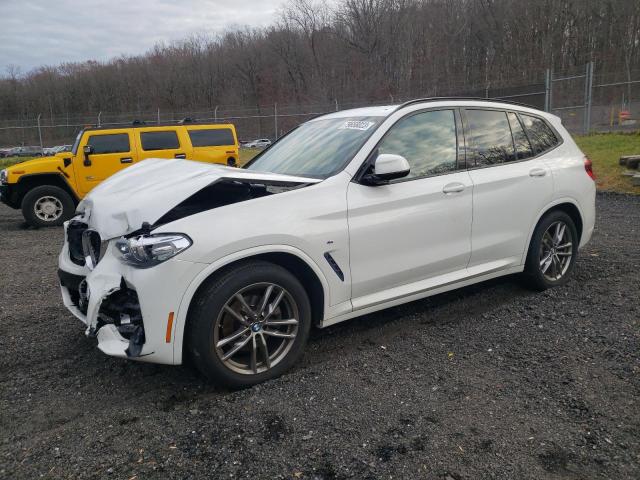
(349, 213)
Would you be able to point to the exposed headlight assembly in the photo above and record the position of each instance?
(3, 176)
(144, 251)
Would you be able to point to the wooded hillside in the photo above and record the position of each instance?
(358, 50)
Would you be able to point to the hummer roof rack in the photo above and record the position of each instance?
(141, 123)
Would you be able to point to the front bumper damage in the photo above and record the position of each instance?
(126, 309)
(119, 314)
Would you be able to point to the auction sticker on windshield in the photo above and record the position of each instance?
(356, 125)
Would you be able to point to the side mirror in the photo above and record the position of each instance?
(387, 166)
(88, 150)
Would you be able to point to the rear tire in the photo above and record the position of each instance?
(267, 327)
(47, 206)
(552, 251)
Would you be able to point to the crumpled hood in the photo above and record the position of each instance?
(147, 190)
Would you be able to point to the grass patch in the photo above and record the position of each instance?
(247, 154)
(604, 150)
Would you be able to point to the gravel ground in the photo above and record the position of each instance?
(492, 381)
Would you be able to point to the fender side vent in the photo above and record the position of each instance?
(336, 268)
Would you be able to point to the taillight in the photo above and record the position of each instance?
(588, 167)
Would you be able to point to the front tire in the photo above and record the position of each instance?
(552, 251)
(47, 206)
(249, 325)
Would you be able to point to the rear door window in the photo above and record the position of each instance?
(489, 140)
(164, 140)
(540, 134)
(214, 137)
(110, 143)
(523, 147)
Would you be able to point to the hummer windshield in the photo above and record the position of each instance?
(74, 149)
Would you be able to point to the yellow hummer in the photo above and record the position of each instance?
(48, 189)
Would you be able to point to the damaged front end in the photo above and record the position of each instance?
(121, 309)
(118, 311)
(116, 269)
(116, 317)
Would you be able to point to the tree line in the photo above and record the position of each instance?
(356, 50)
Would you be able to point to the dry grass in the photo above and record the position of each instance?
(604, 150)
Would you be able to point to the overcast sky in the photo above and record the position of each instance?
(49, 32)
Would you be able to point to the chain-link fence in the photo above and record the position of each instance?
(585, 100)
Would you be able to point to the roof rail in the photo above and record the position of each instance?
(142, 123)
(478, 99)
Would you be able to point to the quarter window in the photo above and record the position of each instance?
(159, 140)
(427, 140)
(523, 147)
(489, 138)
(112, 143)
(214, 137)
(541, 136)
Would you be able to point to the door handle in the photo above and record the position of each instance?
(126, 160)
(453, 188)
(180, 155)
(537, 172)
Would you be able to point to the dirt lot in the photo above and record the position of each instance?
(492, 381)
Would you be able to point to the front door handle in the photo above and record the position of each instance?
(537, 172)
(180, 155)
(455, 187)
(126, 160)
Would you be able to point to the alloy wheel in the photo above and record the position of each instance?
(556, 251)
(256, 328)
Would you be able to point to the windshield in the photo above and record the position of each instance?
(318, 148)
(74, 149)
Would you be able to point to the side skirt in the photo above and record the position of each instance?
(420, 294)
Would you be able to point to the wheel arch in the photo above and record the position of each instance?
(30, 181)
(567, 205)
(288, 257)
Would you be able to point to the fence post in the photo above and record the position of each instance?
(275, 118)
(99, 115)
(336, 104)
(215, 113)
(40, 134)
(158, 115)
(547, 90)
(588, 91)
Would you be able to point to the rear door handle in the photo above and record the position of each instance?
(126, 160)
(180, 155)
(453, 188)
(537, 172)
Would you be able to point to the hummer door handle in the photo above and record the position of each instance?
(126, 160)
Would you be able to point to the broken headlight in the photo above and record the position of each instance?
(144, 251)
(3, 176)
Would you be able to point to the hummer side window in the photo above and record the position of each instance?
(159, 140)
(214, 137)
(112, 143)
